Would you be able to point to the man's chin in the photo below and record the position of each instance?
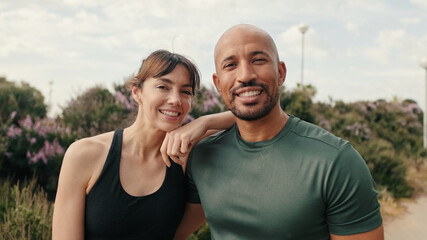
(250, 115)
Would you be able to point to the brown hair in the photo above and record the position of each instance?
(160, 63)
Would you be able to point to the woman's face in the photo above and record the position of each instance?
(165, 101)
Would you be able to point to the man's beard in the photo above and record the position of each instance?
(255, 113)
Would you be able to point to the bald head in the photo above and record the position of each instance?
(240, 33)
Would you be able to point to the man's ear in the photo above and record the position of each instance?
(282, 73)
(216, 81)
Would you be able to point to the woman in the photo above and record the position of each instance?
(116, 185)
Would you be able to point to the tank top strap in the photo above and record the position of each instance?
(115, 152)
(110, 172)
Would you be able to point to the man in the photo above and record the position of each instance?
(272, 175)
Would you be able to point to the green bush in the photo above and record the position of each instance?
(387, 135)
(299, 102)
(34, 148)
(28, 215)
(22, 99)
(97, 111)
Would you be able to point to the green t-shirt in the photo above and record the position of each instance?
(303, 184)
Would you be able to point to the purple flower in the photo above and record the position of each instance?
(371, 106)
(38, 156)
(37, 125)
(12, 131)
(120, 98)
(361, 130)
(188, 119)
(413, 108)
(26, 123)
(48, 150)
(325, 124)
(210, 103)
(12, 115)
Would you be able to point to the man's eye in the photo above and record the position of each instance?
(229, 65)
(259, 60)
(162, 87)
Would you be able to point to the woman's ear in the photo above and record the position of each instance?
(135, 94)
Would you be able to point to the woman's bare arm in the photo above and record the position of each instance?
(178, 143)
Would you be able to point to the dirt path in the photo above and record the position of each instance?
(412, 225)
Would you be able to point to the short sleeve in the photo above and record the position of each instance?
(352, 205)
(192, 193)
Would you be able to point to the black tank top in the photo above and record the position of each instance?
(111, 213)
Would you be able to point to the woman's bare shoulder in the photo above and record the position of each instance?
(86, 153)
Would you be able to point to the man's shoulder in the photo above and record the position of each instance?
(217, 138)
(313, 134)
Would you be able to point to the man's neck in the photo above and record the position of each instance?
(264, 128)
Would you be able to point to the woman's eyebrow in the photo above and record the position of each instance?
(167, 80)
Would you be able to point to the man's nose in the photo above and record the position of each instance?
(246, 73)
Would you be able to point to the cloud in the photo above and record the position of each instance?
(419, 3)
(410, 20)
(290, 42)
(396, 46)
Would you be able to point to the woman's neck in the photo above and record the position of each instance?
(143, 141)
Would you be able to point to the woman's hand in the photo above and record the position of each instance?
(179, 142)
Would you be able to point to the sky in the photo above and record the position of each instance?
(353, 50)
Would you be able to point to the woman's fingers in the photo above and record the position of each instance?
(163, 151)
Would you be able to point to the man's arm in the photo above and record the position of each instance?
(193, 218)
(376, 234)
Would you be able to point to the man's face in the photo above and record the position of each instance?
(248, 73)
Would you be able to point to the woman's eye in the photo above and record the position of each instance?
(187, 92)
(162, 87)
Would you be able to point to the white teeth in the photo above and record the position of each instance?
(169, 113)
(250, 94)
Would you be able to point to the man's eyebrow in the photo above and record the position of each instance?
(254, 53)
(228, 58)
(259, 52)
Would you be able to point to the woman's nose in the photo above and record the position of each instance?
(175, 98)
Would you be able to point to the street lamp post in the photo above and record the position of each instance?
(303, 28)
(423, 64)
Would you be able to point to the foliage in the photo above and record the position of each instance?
(203, 233)
(97, 110)
(387, 135)
(206, 101)
(22, 97)
(299, 102)
(34, 148)
(28, 215)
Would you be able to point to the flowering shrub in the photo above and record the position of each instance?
(97, 111)
(299, 102)
(387, 135)
(206, 101)
(34, 147)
